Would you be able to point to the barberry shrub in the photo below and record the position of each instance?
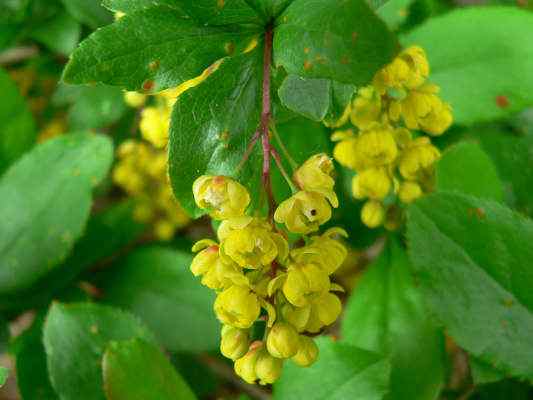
(297, 199)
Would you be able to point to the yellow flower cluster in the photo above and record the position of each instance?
(259, 277)
(391, 162)
(141, 171)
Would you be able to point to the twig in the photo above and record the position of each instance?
(281, 168)
(283, 148)
(249, 150)
(225, 371)
(18, 54)
(265, 121)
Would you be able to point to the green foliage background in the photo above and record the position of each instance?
(94, 307)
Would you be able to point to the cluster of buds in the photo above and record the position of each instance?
(141, 171)
(261, 280)
(391, 162)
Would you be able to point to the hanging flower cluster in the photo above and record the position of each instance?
(391, 161)
(259, 277)
(141, 170)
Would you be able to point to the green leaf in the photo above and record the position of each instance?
(161, 49)
(89, 13)
(341, 40)
(473, 261)
(269, 9)
(17, 131)
(125, 362)
(341, 372)
(315, 98)
(32, 373)
(93, 107)
(212, 125)
(116, 224)
(60, 33)
(513, 157)
(386, 314)
(479, 50)
(466, 168)
(394, 12)
(45, 200)
(4, 373)
(75, 338)
(218, 12)
(483, 373)
(156, 284)
(129, 6)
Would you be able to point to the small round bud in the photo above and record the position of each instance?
(267, 368)
(282, 340)
(245, 366)
(235, 342)
(307, 353)
(373, 214)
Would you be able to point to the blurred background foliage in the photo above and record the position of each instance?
(93, 268)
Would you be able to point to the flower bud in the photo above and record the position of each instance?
(267, 368)
(234, 343)
(307, 352)
(418, 159)
(373, 214)
(304, 212)
(282, 340)
(221, 196)
(366, 109)
(304, 283)
(134, 99)
(205, 260)
(237, 306)
(245, 366)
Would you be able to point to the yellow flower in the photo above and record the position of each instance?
(418, 159)
(282, 340)
(164, 229)
(409, 192)
(296, 316)
(324, 251)
(215, 273)
(154, 125)
(304, 283)
(407, 71)
(245, 366)
(315, 174)
(345, 153)
(366, 109)
(237, 306)
(234, 342)
(373, 183)
(307, 352)
(373, 214)
(304, 212)
(267, 368)
(324, 311)
(134, 99)
(375, 148)
(423, 109)
(221, 196)
(250, 242)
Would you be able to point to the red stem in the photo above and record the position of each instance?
(265, 121)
